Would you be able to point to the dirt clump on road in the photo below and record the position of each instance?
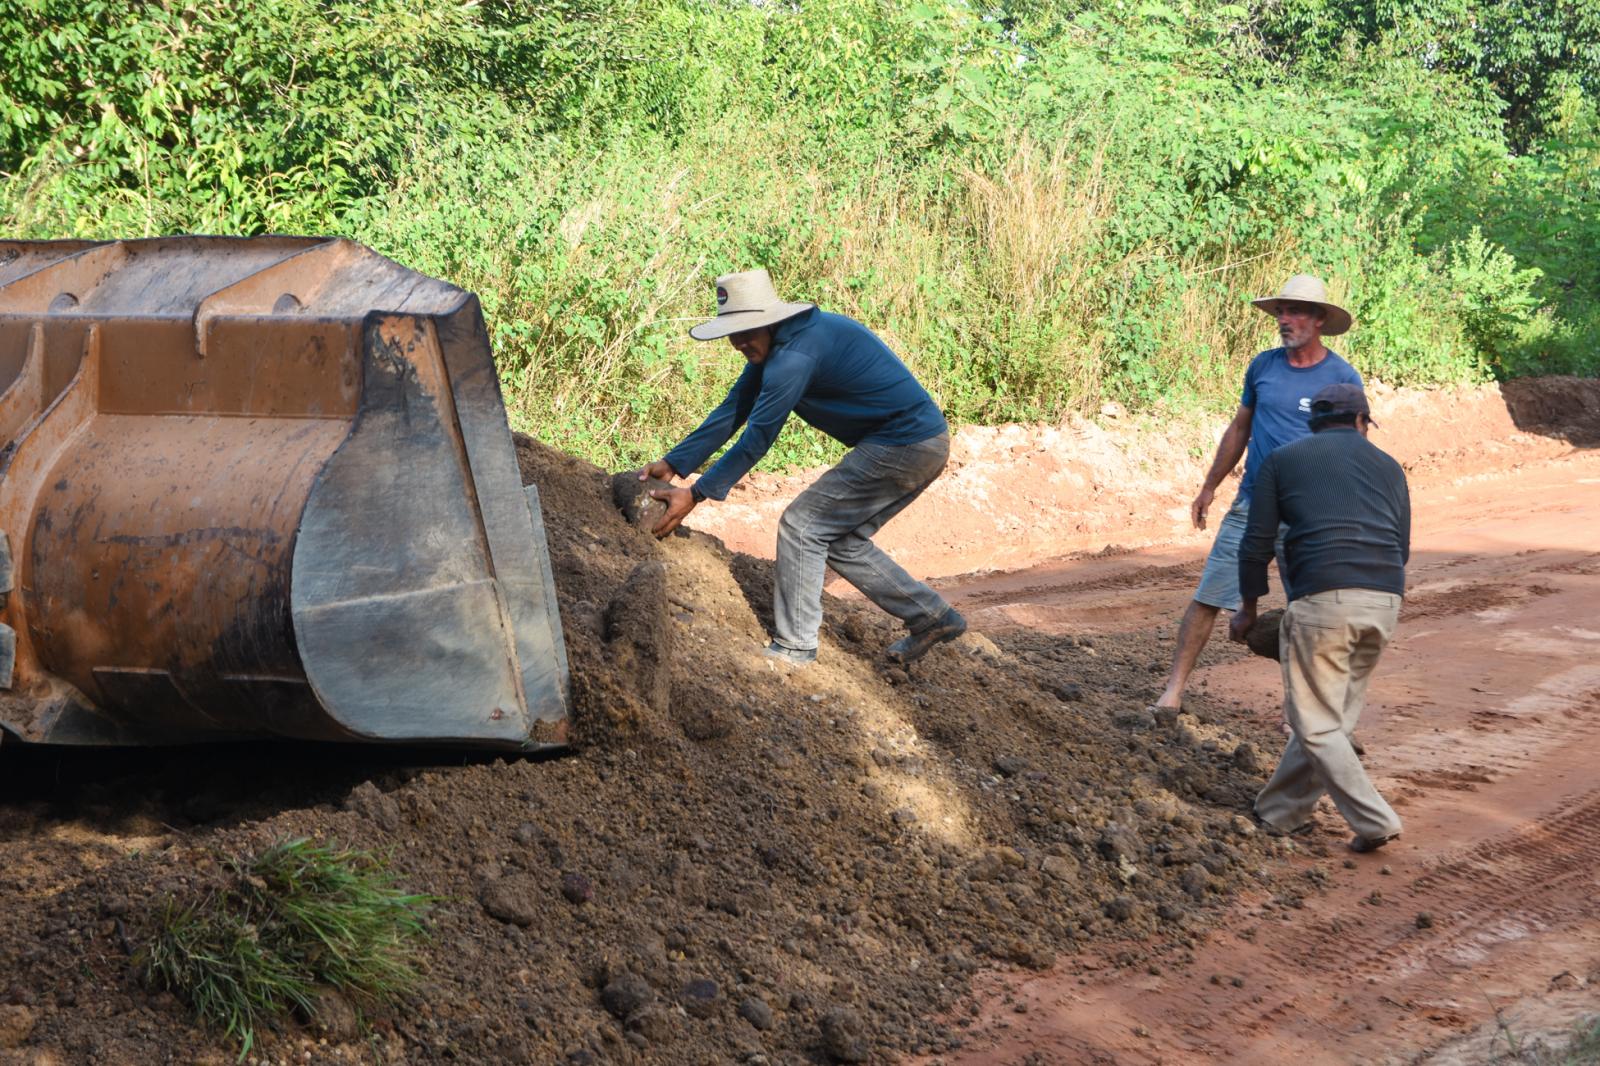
(740, 862)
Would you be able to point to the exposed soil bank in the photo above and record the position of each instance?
(1016, 494)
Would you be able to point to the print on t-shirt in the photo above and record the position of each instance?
(1279, 396)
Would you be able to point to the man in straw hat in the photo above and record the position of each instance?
(839, 377)
(1273, 411)
(1348, 516)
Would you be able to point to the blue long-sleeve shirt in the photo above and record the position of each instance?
(831, 371)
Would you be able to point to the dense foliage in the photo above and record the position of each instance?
(1042, 205)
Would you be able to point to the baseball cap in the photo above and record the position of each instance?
(1341, 399)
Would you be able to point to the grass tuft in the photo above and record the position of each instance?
(282, 926)
(1580, 1046)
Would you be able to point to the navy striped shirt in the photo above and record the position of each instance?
(1348, 511)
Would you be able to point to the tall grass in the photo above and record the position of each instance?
(1006, 289)
(1040, 212)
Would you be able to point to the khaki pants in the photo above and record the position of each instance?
(1329, 645)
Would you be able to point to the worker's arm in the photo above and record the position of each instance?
(1229, 451)
(783, 383)
(1405, 520)
(712, 433)
(1256, 548)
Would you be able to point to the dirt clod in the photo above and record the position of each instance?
(16, 1024)
(1010, 765)
(756, 1011)
(511, 899)
(1121, 908)
(699, 997)
(1195, 880)
(365, 799)
(652, 1025)
(844, 1038)
(632, 497)
(1060, 868)
(1134, 718)
(1118, 843)
(1263, 636)
(576, 888)
(334, 1017)
(626, 994)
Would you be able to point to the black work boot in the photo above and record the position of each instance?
(913, 646)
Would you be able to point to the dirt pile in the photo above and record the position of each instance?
(1566, 406)
(741, 862)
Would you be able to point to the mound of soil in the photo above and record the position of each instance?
(1568, 406)
(740, 862)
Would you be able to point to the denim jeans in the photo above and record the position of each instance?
(832, 522)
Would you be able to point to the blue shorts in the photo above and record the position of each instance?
(1219, 582)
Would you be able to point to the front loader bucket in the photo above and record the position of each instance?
(262, 487)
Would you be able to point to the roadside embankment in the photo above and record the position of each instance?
(1015, 494)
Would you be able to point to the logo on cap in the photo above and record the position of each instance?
(722, 296)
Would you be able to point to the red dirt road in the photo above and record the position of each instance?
(1481, 729)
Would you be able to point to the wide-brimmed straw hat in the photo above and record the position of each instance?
(1309, 290)
(746, 300)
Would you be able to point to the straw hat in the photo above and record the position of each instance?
(1309, 290)
(746, 301)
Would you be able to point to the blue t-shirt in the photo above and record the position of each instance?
(831, 371)
(1280, 397)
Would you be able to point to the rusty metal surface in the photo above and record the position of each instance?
(262, 487)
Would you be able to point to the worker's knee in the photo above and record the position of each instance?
(848, 548)
(799, 525)
(1321, 741)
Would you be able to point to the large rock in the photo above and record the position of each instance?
(633, 499)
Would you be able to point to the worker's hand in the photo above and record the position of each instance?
(1240, 624)
(680, 501)
(1201, 504)
(660, 470)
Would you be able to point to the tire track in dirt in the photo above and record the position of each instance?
(1543, 873)
(1143, 578)
(1481, 729)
